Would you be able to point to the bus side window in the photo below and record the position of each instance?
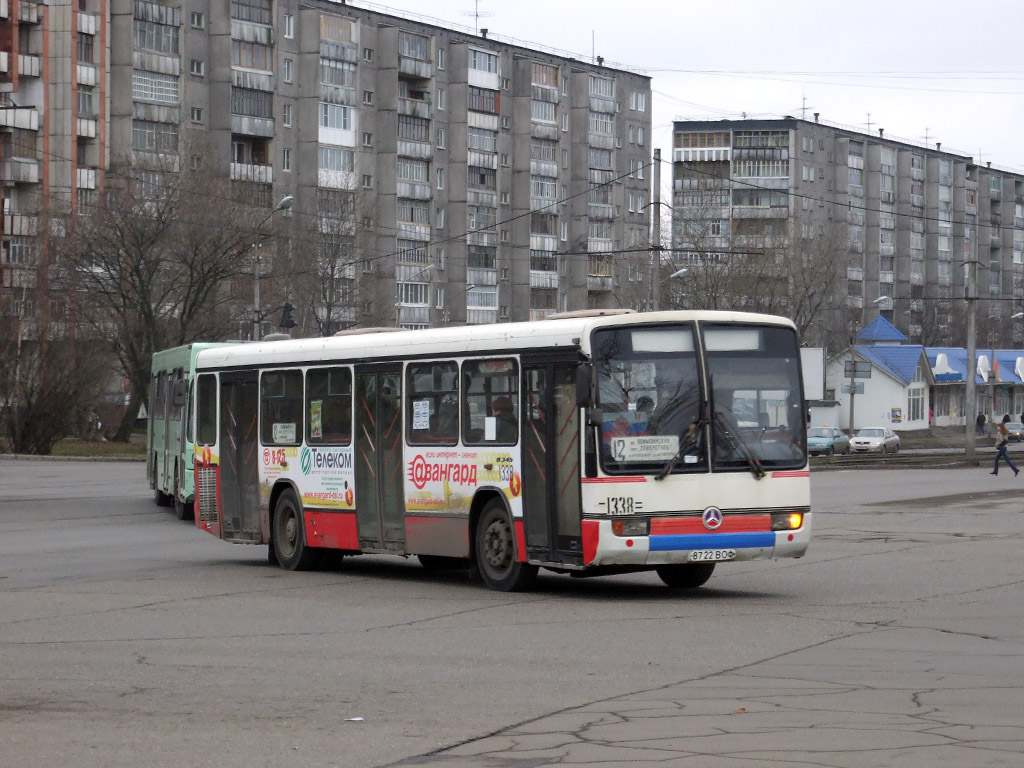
(432, 403)
(490, 402)
(190, 402)
(206, 410)
(329, 406)
(281, 407)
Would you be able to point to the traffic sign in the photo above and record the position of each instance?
(857, 370)
(858, 388)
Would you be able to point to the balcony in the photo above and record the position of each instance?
(917, 174)
(599, 283)
(476, 316)
(88, 23)
(885, 277)
(3, 62)
(541, 314)
(21, 224)
(415, 67)
(481, 276)
(415, 108)
(543, 279)
(475, 157)
(261, 174)
(413, 190)
(704, 155)
(5, 10)
(546, 168)
(85, 178)
(247, 125)
(86, 127)
(600, 212)
(28, 13)
(336, 179)
(421, 150)
(86, 74)
(28, 65)
(19, 170)
(418, 315)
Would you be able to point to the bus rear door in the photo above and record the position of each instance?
(380, 497)
(239, 450)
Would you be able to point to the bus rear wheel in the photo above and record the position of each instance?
(289, 536)
(689, 576)
(496, 552)
(183, 510)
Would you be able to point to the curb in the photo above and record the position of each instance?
(32, 457)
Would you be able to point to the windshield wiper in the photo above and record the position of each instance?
(687, 439)
(738, 444)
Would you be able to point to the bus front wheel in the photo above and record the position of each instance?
(289, 536)
(496, 552)
(689, 576)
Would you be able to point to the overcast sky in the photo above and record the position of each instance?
(950, 70)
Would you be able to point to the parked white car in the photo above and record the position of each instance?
(875, 440)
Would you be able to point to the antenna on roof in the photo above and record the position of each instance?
(476, 13)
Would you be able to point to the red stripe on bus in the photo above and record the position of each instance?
(623, 479)
(591, 532)
(520, 540)
(792, 473)
(334, 530)
(669, 526)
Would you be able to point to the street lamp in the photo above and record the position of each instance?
(448, 301)
(284, 204)
(679, 272)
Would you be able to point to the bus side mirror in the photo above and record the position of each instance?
(584, 384)
(179, 393)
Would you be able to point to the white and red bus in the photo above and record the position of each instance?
(586, 444)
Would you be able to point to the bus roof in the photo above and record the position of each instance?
(184, 356)
(573, 332)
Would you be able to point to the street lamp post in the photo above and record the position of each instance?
(284, 204)
(971, 374)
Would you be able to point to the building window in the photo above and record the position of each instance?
(197, 114)
(367, 139)
(154, 86)
(368, 98)
(602, 86)
(440, 138)
(440, 58)
(640, 135)
(161, 38)
(413, 128)
(85, 48)
(414, 46)
(289, 26)
(197, 68)
(250, 55)
(286, 115)
(335, 116)
(198, 20)
(439, 221)
(411, 252)
(483, 61)
(440, 98)
(543, 74)
(481, 139)
(440, 178)
(367, 54)
(252, 102)
(367, 181)
(565, 85)
(257, 11)
(287, 70)
(150, 136)
(335, 72)
(482, 100)
(542, 111)
(336, 159)
(565, 121)
(413, 170)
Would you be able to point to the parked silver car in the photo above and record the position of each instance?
(875, 440)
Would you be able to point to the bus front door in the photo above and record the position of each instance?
(239, 452)
(380, 499)
(551, 462)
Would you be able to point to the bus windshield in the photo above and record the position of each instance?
(757, 397)
(649, 394)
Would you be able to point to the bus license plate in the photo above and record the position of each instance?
(712, 555)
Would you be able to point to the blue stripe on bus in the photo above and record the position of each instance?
(712, 541)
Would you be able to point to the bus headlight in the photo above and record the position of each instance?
(787, 521)
(631, 527)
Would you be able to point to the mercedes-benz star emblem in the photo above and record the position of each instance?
(712, 518)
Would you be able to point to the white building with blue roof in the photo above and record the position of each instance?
(896, 379)
(999, 375)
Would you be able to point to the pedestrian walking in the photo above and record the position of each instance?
(980, 421)
(1002, 440)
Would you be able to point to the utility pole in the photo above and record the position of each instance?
(970, 375)
(256, 293)
(656, 234)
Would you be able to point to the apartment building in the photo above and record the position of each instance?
(53, 88)
(453, 177)
(903, 218)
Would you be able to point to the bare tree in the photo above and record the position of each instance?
(150, 267)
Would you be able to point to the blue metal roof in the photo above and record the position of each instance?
(881, 329)
(899, 361)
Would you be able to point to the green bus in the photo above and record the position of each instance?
(169, 437)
